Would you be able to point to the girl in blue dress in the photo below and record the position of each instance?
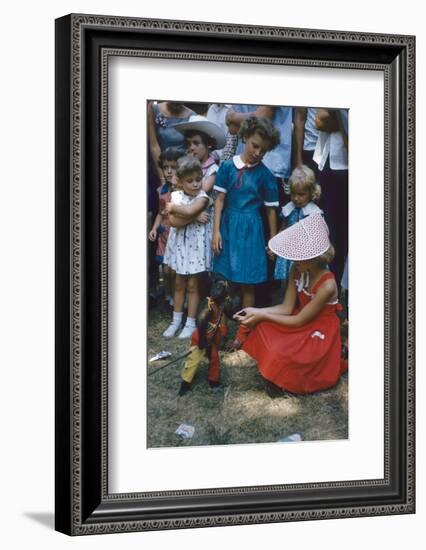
(244, 185)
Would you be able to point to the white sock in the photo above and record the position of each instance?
(190, 322)
(177, 318)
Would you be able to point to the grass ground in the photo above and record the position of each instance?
(240, 410)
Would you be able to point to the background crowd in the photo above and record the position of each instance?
(300, 167)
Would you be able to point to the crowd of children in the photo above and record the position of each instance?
(219, 212)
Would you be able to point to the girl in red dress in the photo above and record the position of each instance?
(297, 344)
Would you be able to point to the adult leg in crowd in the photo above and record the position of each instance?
(334, 202)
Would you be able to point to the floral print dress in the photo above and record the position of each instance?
(188, 249)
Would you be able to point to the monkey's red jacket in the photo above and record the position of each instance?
(216, 329)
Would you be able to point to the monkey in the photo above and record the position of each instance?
(211, 329)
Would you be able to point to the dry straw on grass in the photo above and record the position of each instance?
(240, 410)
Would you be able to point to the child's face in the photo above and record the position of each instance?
(255, 148)
(169, 171)
(191, 183)
(300, 195)
(196, 147)
(303, 265)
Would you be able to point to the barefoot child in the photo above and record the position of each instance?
(187, 252)
(297, 344)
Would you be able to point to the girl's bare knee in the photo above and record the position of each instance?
(180, 283)
(192, 286)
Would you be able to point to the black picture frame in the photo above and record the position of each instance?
(83, 504)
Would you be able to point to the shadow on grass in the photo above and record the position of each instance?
(238, 412)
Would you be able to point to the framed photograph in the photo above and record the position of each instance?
(235, 404)
(217, 186)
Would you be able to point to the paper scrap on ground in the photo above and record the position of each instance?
(291, 438)
(160, 355)
(185, 431)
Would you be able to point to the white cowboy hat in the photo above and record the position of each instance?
(306, 239)
(200, 123)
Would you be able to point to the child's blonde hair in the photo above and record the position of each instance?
(325, 258)
(305, 177)
(187, 165)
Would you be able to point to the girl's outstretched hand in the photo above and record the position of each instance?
(217, 243)
(152, 235)
(249, 316)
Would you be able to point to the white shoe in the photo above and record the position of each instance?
(171, 330)
(187, 332)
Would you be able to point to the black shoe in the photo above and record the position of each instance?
(185, 387)
(214, 384)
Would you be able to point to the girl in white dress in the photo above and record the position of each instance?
(188, 250)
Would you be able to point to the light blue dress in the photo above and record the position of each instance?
(291, 215)
(243, 256)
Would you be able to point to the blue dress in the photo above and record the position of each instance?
(248, 188)
(167, 136)
(291, 215)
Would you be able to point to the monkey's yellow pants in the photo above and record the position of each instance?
(191, 364)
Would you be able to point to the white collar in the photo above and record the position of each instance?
(307, 210)
(303, 282)
(240, 164)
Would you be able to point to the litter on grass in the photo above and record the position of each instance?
(160, 355)
(291, 438)
(185, 431)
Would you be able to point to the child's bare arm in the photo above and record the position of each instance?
(325, 294)
(251, 316)
(208, 183)
(176, 221)
(290, 297)
(189, 211)
(271, 215)
(218, 207)
(289, 302)
(272, 222)
(155, 226)
(180, 215)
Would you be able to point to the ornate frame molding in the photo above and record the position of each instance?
(72, 46)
